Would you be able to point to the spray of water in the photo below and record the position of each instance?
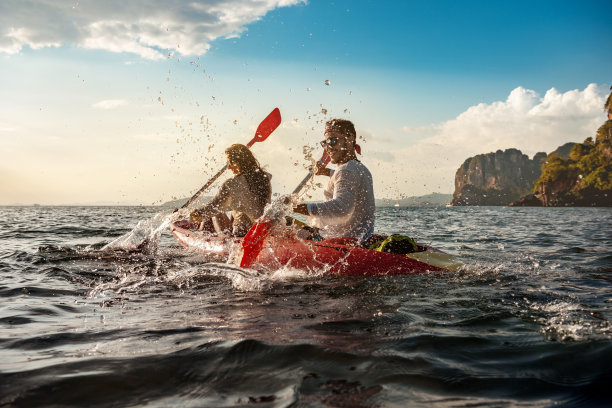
(145, 235)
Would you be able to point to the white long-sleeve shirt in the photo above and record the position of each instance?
(349, 207)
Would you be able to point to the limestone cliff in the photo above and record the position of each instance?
(496, 178)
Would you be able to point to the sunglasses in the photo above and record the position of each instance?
(332, 141)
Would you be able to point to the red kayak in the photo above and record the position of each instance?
(328, 256)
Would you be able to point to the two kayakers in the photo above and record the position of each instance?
(245, 195)
(349, 207)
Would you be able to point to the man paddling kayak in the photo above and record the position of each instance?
(245, 195)
(349, 207)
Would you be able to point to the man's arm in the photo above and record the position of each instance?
(343, 201)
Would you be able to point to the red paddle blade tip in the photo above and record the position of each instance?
(267, 126)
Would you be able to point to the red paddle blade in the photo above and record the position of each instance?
(266, 127)
(253, 242)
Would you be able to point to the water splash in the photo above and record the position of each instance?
(277, 210)
(244, 280)
(145, 235)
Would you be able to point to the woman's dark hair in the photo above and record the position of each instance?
(257, 179)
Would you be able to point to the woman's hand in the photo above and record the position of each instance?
(195, 216)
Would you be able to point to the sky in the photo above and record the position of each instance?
(134, 101)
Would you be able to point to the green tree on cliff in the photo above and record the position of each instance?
(587, 173)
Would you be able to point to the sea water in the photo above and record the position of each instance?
(527, 321)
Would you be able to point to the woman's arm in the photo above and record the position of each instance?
(215, 206)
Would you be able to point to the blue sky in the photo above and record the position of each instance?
(115, 102)
(501, 44)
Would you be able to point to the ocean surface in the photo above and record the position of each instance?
(526, 323)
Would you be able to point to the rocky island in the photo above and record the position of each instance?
(576, 174)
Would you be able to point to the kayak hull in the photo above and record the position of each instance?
(327, 256)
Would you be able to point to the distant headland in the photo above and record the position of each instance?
(428, 200)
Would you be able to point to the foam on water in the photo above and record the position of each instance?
(565, 320)
(242, 279)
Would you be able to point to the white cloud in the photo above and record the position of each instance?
(421, 130)
(148, 28)
(525, 120)
(109, 104)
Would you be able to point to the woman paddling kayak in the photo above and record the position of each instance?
(245, 195)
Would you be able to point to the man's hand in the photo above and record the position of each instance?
(321, 170)
(301, 209)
